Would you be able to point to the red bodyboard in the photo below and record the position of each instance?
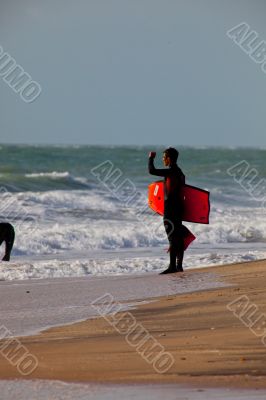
(188, 237)
(196, 206)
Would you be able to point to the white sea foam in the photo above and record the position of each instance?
(79, 220)
(118, 263)
(67, 222)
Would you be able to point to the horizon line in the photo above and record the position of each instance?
(198, 147)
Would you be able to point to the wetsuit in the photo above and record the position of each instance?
(7, 235)
(174, 179)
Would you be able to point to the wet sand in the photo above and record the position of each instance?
(56, 390)
(210, 346)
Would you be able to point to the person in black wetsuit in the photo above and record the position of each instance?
(7, 235)
(174, 179)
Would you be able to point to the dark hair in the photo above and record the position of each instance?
(172, 153)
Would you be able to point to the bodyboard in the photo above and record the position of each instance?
(188, 236)
(196, 206)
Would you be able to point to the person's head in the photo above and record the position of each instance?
(170, 156)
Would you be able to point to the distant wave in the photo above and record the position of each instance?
(43, 181)
(53, 175)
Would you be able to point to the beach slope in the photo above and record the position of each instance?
(215, 337)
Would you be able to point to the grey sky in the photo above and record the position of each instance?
(133, 72)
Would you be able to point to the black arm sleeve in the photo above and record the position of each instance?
(155, 171)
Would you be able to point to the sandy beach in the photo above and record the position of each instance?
(210, 345)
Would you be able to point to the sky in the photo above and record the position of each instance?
(133, 72)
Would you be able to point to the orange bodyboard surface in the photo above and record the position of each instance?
(196, 206)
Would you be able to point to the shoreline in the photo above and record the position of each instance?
(123, 261)
(29, 307)
(210, 345)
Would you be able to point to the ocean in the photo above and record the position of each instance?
(82, 210)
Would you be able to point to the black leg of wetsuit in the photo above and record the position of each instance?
(178, 249)
(9, 239)
(174, 230)
(170, 229)
(180, 256)
(173, 256)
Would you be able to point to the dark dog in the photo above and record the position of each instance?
(7, 235)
